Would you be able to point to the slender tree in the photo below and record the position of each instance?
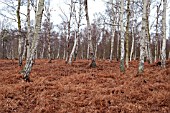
(49, 31)
(142, 40)
(28, 40)
(133, 42)
(163, 51)
(148, 40)
(113, 33)
(20, 44)
(156, 37)
(127, 34)
(29, 62)
(122, 67)
(93, 63)
(68, 31)
(76, 33)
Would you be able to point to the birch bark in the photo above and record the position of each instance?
(148, 33)
(74, 47)
(163, 51)
(142, 40)
(68, 32)
(37, 30)
(113, 34)
(20, 44)
(156, 37)
(133, 40)
(122, 67)
(127, 34)
(28, 40)
(49, 32)
(93, 63)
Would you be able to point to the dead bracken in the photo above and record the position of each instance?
(57, 87)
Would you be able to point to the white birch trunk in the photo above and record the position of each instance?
(49, 32)
(112, 44)
(156, 37)
(37, 30)
(133, 40)
(142, 40)
(88, 49)
(127, 34)
(96, 50)
(113, 34)
(122, 67)
(20, 44)
(43, 50)
(118, 35)
(163, 51)
(118, 47)
(28, 40)
(73, 49)
(68, 32)
(91, 52)
(148, 33)
(24, 49)
(58, 50)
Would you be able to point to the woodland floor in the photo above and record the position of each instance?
(60, 88)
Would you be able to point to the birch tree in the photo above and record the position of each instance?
(127, 34)
(76, 33)
(80, 17)
(20, 44)
(113, 33)
(74, 47)
(133, 42)
(142, 40)
(29, 62)
(68, 31)
(28, 40)
(48, 31)
(148, 45)
(163, 51)
(90, 46)
(156, 37)
(75, 38)
(122, 67)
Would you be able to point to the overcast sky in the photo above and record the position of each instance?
(94, 7)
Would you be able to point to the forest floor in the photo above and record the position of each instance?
(61, 88)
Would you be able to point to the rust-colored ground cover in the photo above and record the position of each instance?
(60, 88)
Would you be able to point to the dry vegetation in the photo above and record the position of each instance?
(60, 88)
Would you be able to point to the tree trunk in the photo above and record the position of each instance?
(49, 32)
(68, 32)
(28, 40)
(148, 49)
(43, 50)
(163, 51)
(118, 47)
(58, 50)
(156, 37)
(122, 67)
(127, 34)
(133, 40)
(112, 44)
(93, 63)
(96, 49)
(74, 47)
(20, 44)
(113, 34)
(37, 30)
(142, 40)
